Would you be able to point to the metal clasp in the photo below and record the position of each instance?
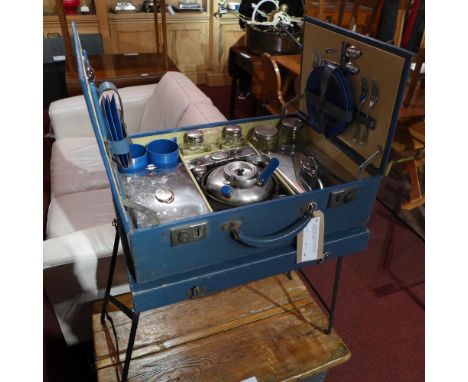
(369, 160)
(310, 208)
(89, 70)
(196, 291)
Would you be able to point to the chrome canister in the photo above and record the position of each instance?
(194, 143)
(264, 138)
(231, 137)
(290, 135)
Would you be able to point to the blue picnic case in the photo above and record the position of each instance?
(178, 258)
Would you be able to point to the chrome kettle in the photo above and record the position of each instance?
(240, 183)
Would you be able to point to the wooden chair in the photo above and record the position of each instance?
(369, 28)
(408, 149)
(268, 86)
(271, 94)
(416, 75)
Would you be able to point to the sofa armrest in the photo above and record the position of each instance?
(69, 116)
(87, 244)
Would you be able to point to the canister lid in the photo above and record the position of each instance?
(292, 123)
(193, 136)
(199, 171)
(164, 194)
(265, 132)
(219, 155)
(232, 131)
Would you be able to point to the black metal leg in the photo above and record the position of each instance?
(334, 295)
(134, 316)
(111, 272)
(131, 342)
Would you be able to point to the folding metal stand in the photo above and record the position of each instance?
(135, 315)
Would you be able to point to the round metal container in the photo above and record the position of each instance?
(265, 133)
(289, 129)
(259, 40)
(194, 143)
(193, 136)
(231, 137)
(291, 123)
(264, 138)
(232, 131)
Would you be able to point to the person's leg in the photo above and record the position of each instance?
(244, 87)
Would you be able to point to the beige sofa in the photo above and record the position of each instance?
(80, 234)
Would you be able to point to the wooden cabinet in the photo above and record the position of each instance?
(226, 33)
(198, 42)
(88, 24)
(187, 39)
(187, 33)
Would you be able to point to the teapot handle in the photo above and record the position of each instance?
(268, 171)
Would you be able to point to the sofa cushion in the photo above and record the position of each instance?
(76, 267)
(174, 93)
(200, 113)
(78, 211)
(69, 116)
(76, 165)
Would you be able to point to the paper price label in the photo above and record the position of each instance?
(310, 240)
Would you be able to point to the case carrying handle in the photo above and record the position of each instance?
(277, 239)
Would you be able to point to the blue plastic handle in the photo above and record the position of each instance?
(263, 179)
(275, 240)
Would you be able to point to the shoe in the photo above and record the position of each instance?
(243, 95)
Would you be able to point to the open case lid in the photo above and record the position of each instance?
(385, 64)
(91, 96)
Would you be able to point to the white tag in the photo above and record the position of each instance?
(310, 240)
(251, 379)
(59, 58)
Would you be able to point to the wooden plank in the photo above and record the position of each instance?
(164, 328)
(271, 329)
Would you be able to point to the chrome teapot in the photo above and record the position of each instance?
(240, 183)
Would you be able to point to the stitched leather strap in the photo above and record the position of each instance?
(324, 82)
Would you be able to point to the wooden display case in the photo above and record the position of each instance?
(187, 33)
(198, 42)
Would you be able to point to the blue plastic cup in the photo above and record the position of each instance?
(139, 159)
(163, 153)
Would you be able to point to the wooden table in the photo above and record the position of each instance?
(241, 64)
(123, 70)
(270, 329)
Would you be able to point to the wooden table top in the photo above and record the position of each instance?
(269, 329)
(291, 62)
(122, 70)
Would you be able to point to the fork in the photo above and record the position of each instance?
(374, 98)
(362, 101)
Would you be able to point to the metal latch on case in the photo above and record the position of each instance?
(188, 234)
(338, 198)
(196, 291)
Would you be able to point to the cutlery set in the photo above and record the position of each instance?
(364, 122)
